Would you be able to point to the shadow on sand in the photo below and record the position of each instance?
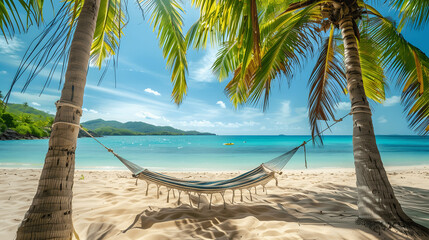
(335, 207)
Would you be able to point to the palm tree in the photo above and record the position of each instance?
(263, 40)
(97, 26)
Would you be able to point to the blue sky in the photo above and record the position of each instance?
(143, 90)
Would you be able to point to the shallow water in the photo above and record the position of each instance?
(207, 153)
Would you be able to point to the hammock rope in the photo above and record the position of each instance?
(278, 163)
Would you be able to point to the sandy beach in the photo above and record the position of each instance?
(307, 204)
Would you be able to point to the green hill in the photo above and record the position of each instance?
(18, 109)
(26, 121)
(103, 127)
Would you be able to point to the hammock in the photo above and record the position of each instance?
(258, 176)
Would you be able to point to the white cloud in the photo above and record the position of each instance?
(147, 115)
(392, 101)
(285, 109)
(3, 72)
(288, 118)
(11, 46)
(382, 119)
(90, 110)
(31, 97)
(221, 104)
(344, 106)
(35, 104)
(128, 95)
(201, 71)
(237, 124)
(210, 124)
(250, 113)
(199, 123)
(156, 93)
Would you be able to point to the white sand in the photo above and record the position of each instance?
(308, 204)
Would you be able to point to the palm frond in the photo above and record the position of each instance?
(255, 31)
(236, 24)
(49, 48)
(226, 60)
(167, 20)
(411, 12)
(218, 20)
(12, 19)
(374, 80)
(408, 65)
(285, 50)
(250, 59)
(110, 22)
(238, 88)
(415, 95)
(326, 82)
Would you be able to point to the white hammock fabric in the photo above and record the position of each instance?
(259, 176)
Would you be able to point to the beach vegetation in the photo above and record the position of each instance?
(29, 122)
(358, 51)
(8, 120)
(3, 126)
(23, 129)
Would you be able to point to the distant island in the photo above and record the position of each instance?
(115, 128)
(21, 121)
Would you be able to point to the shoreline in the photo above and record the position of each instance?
(309, 170)
(307, 204)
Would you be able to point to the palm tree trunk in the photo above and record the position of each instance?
(50, 214)
(376, 199)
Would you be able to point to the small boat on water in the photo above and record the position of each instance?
(228, 143)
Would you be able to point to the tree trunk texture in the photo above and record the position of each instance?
(377, 204)
(50, 214)
(376, 199)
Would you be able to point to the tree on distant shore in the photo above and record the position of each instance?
(83, 31)
(264, 40)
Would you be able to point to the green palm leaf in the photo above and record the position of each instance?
(412, 12)
(12, 19)
(226, 60)
(326, 82)
(165, 17)
(409, 66)
(219, 21)
(108, 31)
(51, 46)
(374, 80)
(285, 50)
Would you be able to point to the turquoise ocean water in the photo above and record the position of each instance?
(207, 153)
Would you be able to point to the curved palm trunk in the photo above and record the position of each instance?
(376, 199)
(50, 214)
